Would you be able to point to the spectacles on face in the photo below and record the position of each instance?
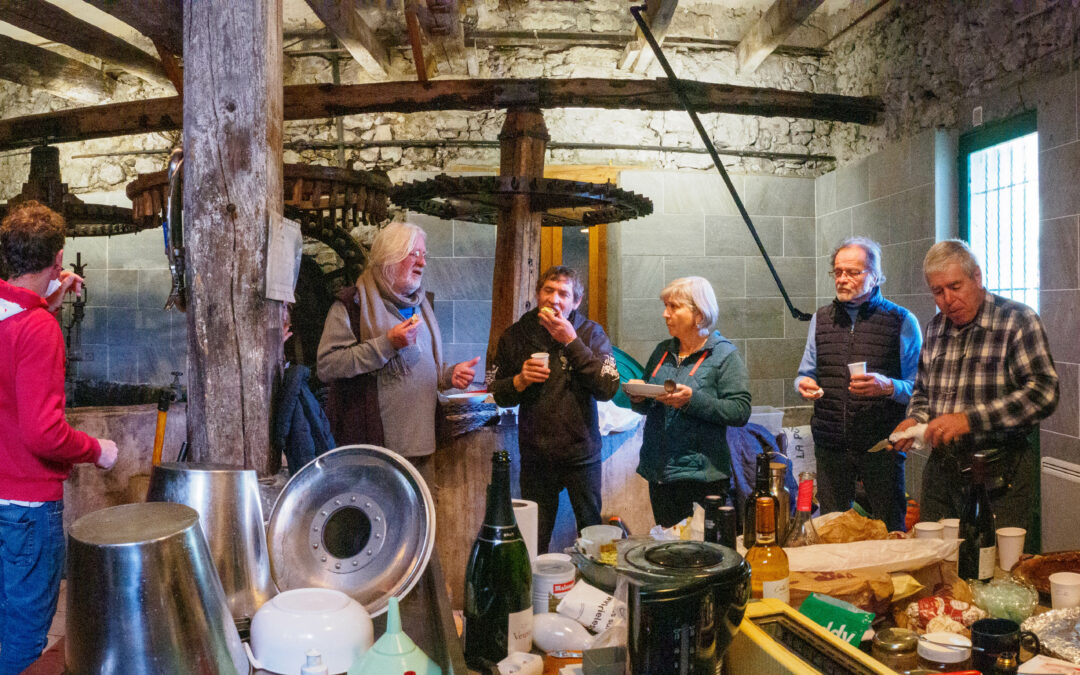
(418, 254)
(851, 274)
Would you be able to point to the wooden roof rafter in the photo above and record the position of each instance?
(778, 22)
(637, 57)
(39, 68)
(344, 21)
(324, 101)
(160, 20)
(53, 23)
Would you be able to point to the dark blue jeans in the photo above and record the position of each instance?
(31, 564)
(881, 473)
(542, 484)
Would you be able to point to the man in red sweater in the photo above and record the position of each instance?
(37, 447)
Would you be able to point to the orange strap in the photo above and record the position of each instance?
(694, 370)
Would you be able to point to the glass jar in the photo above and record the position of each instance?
(896, 648)
(944, 652)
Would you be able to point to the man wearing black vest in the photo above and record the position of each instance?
(859, 331)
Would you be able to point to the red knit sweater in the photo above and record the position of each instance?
(37, 447)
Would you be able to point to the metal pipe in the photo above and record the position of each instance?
(676, 86)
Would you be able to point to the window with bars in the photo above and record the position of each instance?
(999, 206)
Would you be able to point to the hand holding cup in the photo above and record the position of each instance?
(535, 369)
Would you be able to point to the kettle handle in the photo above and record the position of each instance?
(251, 657)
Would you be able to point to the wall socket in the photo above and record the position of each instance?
(976, 116)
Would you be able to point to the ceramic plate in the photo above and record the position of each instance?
(468, 397)
(642, 389)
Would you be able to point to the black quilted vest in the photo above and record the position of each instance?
(842, 420)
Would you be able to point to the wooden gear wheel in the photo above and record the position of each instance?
(328, 202)
(478, 199)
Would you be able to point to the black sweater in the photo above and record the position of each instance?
(557, 419)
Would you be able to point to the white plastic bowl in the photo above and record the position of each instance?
(291, 623)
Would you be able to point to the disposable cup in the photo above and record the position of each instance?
(951, 531)
(927, 530)
(541, 356)
(857, 368)
(1010, 544)
(1065, 590)
(598, 541)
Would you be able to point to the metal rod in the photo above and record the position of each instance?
(676, 86)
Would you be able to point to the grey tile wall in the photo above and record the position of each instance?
(696, 231)
(127, 335)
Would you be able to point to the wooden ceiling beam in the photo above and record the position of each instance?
(441, 21)
(38, 68)
(783, 17)
(343, 20)
(52, 23)
(638, 56)
(160, 20)
(317, 101)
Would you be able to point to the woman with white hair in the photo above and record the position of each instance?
(684, 454)
(381, 351)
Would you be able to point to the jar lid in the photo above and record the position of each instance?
(944, 647)
(896, 640)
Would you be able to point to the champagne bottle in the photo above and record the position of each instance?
(978, 550)
(712, 518)
(770, 576)
(761, 489)
(498, 579)
(802, 532)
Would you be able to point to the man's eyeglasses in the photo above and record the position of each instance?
(418, 254)
(851, 274)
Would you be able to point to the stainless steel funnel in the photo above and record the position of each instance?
(230, 513)
(143, 596)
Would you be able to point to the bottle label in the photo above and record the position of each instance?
(499, 534)
(987, 561)
(520, 625)
(781, 589)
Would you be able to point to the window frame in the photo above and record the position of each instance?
(979, 139)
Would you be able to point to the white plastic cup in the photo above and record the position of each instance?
(857, 368)
(598, 541)
(541, 356)
(1065, 590)
(928, 530)
(1010, 544)
(951, 532)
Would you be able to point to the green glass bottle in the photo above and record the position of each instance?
(498, 579)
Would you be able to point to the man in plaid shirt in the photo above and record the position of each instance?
(985, 380)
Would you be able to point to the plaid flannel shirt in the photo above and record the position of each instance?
(997, 369)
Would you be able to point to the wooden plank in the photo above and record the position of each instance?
(413, 25)
(783, 17)
(523, 139)
(326, 100)
(160, 20)
(172, 67)
(343, 20)
(638, 56)
(38, 68)
(232, 196)
(52, 23)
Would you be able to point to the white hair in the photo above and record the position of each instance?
(393, 244)
(695, 293)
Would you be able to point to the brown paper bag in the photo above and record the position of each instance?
(869, 592)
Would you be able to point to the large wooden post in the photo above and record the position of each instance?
(233, 119)
(523, 141)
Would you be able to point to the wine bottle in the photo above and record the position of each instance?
(778, 489)
(978, 550)
(726, 526)
(498, 579)
(802, 532)
(712, 518)
(770, 576)
(761, 489)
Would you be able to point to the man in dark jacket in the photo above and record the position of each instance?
(558, 431)
(853, 411)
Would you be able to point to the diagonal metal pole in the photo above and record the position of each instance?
(677, 87)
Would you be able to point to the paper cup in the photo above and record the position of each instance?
(598, 541)
(857, 368)
(927, 530)
(951, 531)
(1010, 544)
(541, 356)
(1065, 590)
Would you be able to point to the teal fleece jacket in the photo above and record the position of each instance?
(690, 443)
